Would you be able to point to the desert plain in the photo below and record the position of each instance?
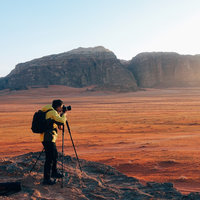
(152, 134)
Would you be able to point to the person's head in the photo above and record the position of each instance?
(57, 105)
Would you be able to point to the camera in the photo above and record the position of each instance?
(65, 108)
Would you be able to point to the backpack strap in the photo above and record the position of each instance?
(48, 111)
(49, 120)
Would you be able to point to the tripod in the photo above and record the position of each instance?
(37, 160)
(63, 130)
(73, 145)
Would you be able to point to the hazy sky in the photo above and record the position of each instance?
(35, 28)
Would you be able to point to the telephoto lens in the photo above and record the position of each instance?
(69, 107)
(65, 108)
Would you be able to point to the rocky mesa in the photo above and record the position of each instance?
(162, 69)
(81, 67)
(99, 67)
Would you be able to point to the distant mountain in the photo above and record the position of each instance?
(165, 69)
(77, 68)
(99, 67)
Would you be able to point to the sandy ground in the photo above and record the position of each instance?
(153, 135)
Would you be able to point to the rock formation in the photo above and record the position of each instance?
(77, 68)
(97, 181)
(100, 68)
(165, 69)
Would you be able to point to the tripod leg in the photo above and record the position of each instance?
(62, 155)
(73, 145)
(37, 160)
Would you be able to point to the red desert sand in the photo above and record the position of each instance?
(152, 135)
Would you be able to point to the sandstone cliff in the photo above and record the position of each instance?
(77, 68)
(100, 68)
(165, 69)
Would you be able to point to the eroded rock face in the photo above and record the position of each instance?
(77, 68)
(100, 68)
(165, 69)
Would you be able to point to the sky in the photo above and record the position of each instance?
(34, 28)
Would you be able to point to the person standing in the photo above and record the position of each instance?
(56, 119)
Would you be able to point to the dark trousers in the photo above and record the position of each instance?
(51, 154)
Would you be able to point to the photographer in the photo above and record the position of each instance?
(56, 117)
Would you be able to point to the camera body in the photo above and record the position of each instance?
(66, 108)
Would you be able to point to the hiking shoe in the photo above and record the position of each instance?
(57, 175)
(48, 182)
